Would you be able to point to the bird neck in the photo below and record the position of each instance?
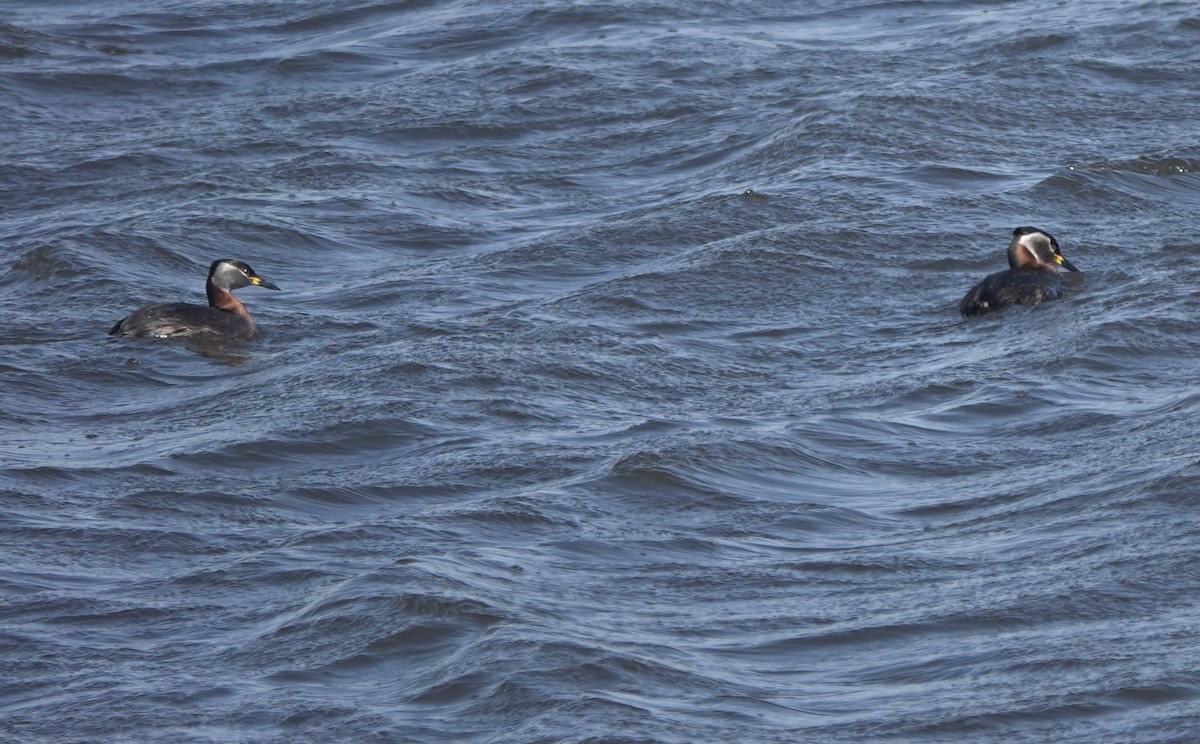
(1020, 257)
(223, 299)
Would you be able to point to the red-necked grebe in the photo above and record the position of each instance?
(224, 317)
(1032, 275)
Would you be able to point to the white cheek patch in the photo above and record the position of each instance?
(1038, 245)
(1030, 240)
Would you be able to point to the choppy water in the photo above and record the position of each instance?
(616, 391)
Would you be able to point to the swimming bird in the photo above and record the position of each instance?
(1032, 275)
(224, 317)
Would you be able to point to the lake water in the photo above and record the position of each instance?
(616, 390)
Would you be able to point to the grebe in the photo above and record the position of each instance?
(224, 317)
(1032, 275)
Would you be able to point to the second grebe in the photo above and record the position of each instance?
(1032, 275)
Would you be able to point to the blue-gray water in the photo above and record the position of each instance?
(616, 390)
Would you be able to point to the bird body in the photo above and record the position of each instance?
(224, 317)
(1031, 277)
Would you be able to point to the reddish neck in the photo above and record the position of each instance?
(224, 300)
(1021, 257)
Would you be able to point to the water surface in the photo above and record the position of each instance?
(616, 391)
